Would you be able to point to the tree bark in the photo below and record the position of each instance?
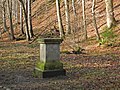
(11, 22)
(94, 20)
(4, 15)
(73, 6)
(26, 21)
(84, 19)
(21, 20)
(59, 19)
(68, 29)
(109, 13)
(16, 11)
(30, 19)
(75, 18)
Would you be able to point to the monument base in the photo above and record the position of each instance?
(49, 73)
(49, 64)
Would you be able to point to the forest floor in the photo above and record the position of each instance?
(97, 67)
(90, 70)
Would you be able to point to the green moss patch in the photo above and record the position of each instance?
(49, 65)
(108, 36)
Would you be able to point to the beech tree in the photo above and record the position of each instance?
(84, 19)
(10, 9)
(59, 19)
(68, 30)
(30, 19)
(21, 20)
(9, 4)
(26, 20)
(16, 10)
(109, 13)
(74, 9)
(94, 20)
(75, 17)
(4, 15)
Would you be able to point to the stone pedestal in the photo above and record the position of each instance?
(49, 64)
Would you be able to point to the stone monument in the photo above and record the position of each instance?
(49, 64)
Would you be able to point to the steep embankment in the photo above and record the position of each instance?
(44, 18)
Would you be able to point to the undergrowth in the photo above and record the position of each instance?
(108, 36)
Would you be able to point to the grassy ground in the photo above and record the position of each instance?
(88, 71)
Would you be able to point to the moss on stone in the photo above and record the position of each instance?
(49, 65)
(40, 65)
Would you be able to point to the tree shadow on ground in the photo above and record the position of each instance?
(83, 72)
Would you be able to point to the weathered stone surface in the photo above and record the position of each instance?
(49, 52)
(49, 40)
(49, 64)
(48, 74)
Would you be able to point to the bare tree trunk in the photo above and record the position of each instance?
(21, 20)
(73, 6)
(16, 11)
(109, 13)
(26, 5)
(84, 19)
(10, 18)
(59, 19)
(68, 29)
(30, 19)
(4, 15)
(94, 20)
(75, 18)
(26, 21)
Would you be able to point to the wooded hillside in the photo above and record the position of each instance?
(90, 50)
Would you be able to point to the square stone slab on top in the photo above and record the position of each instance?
(49, 40)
